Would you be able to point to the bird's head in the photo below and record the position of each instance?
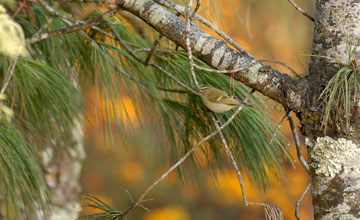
(204, 89)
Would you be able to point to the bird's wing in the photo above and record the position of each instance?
(215, 95)
(229, 101)
(223, 98)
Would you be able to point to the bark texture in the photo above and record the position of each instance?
(62, 174)
(336, 29)
(334, 159)
(335, 167)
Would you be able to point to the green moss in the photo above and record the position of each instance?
(311, 116)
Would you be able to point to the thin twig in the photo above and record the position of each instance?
(278, 212)
(233, 161)
(187, 38)
(156, 43)
(301, 10)
(67, 19)
(198, 3)
(182, 11)
(9, 75)
(181, 160)
(21, 5)
(297, 142)
(123, 44)
(278, 127)
(42, 28)
(281, 63)
(73, 28)
(142, 83)
(145, 49)
(300, 199)
(228, 151)
(51, 10)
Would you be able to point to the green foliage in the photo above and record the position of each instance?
(44, 95)
(108, 212)
(248, 135)
(342, 90)
(22, 187)
(46, 105)
(187, 120)
(47, 99)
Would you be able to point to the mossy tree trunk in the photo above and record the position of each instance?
(334, 154)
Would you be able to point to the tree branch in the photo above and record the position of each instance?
(278, 127)
(156, 66)
(301, 10)
(297, 205)
(73, 28)
(65, 19)
(181, 10)
(277, 86)
(153, 48)
(297, 142)
(9, 75)
(187, 40)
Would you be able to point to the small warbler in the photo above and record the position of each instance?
(219, 101)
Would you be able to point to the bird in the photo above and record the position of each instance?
(219, 101)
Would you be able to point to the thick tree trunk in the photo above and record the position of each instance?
(334, 158)
(62, 174)
(335, 168)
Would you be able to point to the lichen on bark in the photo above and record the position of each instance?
(329, 156)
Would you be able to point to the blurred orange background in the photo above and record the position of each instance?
(115, 172)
